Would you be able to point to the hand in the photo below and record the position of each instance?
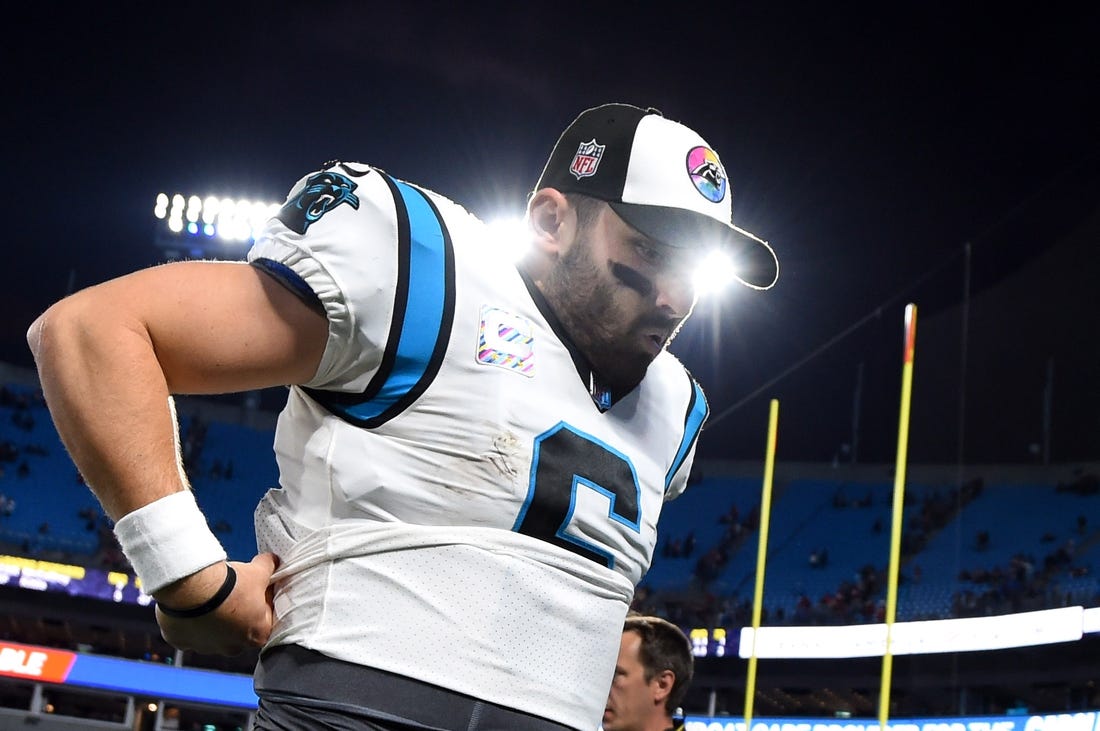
(243, 621)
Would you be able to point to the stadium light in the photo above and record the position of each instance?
(226, 219)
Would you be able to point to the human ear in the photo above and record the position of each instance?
(662, 685)
(552, 220)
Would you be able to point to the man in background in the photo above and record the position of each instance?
(652, 676)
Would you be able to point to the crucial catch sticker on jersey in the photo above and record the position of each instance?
(506, 340)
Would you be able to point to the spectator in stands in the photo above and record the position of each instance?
(1083, 483)
(90, 516)
(840, 498)
(442, 406)
(7, 505)
(679, 547)
(733, 515)
(709, 566)
(803, 610)
(652, 676)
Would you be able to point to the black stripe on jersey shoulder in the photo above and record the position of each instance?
(332, 400)
(338, 403)
(435, 361)
(693, 403)
(695, 417)
(400, 296)
(349, 171)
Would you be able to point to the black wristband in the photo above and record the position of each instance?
(210, 604)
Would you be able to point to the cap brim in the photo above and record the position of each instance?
(756, 263)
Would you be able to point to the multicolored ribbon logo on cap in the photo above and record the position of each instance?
(707, 173)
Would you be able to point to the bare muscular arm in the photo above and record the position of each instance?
(110, 356)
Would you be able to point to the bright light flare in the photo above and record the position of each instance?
(507, 237)
(714, 273)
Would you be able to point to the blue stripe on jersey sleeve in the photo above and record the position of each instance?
(693, 424)
(424, 311)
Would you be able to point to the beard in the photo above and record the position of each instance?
(583, 298)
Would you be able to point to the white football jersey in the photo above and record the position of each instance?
(454, 505)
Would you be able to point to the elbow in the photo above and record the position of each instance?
(36, 335)
(56, 331)
(43, 332)
(83, 331)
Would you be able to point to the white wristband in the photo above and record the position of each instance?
(167, 540)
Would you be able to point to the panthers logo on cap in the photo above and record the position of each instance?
(707, 174)
(322, 192)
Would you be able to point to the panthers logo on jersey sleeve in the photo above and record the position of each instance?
(322, 192)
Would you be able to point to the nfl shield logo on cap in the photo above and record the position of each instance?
(587, 159)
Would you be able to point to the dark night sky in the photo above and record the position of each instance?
(868, 143)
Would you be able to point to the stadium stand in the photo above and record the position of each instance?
(829, 542)
(826, 536)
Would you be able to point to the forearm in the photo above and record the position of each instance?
(109, 401)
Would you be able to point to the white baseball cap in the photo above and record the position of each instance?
(660, 177)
